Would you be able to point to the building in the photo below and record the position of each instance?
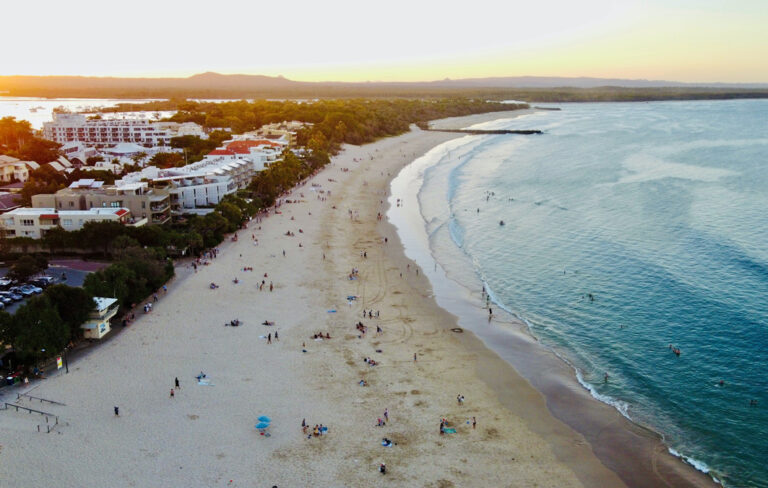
(183, 129)
(35, 222)
(188, 190)
(77, 152)
(14, 169)
(61, 165)
(100, 133)
(142, 201)
(8, 202)
(260, 153)
(97, 325)
(284, 130)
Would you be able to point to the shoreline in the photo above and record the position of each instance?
(608, 431)
(205, 435)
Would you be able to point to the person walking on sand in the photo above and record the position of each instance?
(117, 411)
(414, 357)
(269, 338)
(270, 286)
(172, 392)
(177, 383)
(474, 422)
(386, 414)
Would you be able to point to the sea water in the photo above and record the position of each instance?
(629, 230)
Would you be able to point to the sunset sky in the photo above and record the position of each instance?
(680, 40)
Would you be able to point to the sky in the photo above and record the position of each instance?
(396, 40)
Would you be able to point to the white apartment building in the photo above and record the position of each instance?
(201, 184)
(35, 222)
(105, 132)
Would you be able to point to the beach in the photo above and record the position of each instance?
(312, 254)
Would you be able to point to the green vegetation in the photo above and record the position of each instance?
(43, 326)
(26, 267)
(135, 274)
(19, 141)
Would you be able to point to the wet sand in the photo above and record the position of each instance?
(205, 435)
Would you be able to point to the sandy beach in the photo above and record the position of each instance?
(204, 435)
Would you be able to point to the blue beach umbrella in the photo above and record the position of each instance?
(262, 425)
(264, 418)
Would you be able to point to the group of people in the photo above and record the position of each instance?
(317, 430)
(371, 313)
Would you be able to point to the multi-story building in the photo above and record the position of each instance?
(98, 323)
(188, 190)
(35, 222)
(105, 132)
(153, 204)
(14, 169)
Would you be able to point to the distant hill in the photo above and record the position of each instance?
(214, 85)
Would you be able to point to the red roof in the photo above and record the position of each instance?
(121, 212)
(49, 216)
(243, 147)
(221, 152)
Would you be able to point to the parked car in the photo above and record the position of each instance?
(42, 281)
(35, 289)
(20, 291)
(2, 305)
(14, 296)
(6, 298)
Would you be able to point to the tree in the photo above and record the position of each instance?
(73, 305)
(166, 160)
(40, 332)
(26, 267)
(233, 214)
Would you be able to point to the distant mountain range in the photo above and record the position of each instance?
(214, 85)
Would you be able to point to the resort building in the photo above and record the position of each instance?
(105, 132)
(260, 153)
(190, 192)
(97, 325)
(143, 202)
(35, 222)
(14, 169)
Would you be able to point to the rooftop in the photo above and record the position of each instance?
(52, 213)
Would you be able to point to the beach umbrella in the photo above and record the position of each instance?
(264, 418)
(262, 425)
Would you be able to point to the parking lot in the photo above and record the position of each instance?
(68, 273)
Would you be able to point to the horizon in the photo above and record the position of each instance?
(330, 81)
(705, 41)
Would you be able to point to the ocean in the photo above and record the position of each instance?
(630, 230)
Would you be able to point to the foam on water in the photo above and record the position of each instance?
(656, 211)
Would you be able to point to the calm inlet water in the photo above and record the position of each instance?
(629, 228)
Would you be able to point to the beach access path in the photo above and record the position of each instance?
(204, 435)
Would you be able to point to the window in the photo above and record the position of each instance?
(71, 204)
(27, 222)
(9, 222)
(66, 222)
(143, 204)
(116, 204)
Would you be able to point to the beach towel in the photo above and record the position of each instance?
(204, 382)
(333, 310)
(449, 430)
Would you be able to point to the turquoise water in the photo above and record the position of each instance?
(659, 211)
